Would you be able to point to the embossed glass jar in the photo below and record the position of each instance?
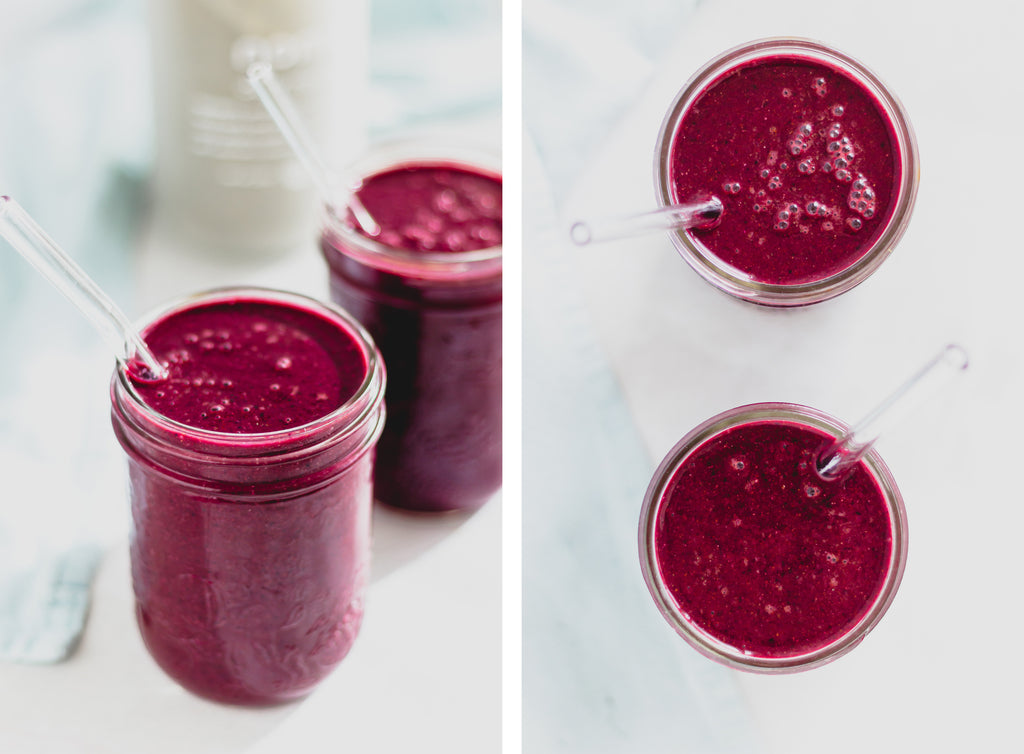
(436, 317)
(825, 278)
(779, 545)
(250, 552)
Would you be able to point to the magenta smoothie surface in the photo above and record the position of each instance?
(428, 288)
(805, 160)
(434, 207)
(250, 478)
(759, 552)
(250, 366)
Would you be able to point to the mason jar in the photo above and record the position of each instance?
(250, 550)
(753, 557)
(436, 315)
(813, 158)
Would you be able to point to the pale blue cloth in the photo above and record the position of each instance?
(74, 141)
(603, 672)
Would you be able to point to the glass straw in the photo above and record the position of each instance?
(847, 451)
(282, 111)
(704, 214)
(32, 242)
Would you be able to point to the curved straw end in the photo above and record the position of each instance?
(141, 372)
(580, 233)
(259, 70)
(700, 215)
(956, 356)
(840, 456)
(711, 215)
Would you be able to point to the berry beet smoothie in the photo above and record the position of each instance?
(250, 478)
(765, 561)
(428, 288)
(812, 159)
(434, 207)
(250, 366)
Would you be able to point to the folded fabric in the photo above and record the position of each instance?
(43, 608)
(74, 150)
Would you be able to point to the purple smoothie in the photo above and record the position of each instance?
(434, 207)
(805, 161)
(428, 289)
(250, 471)
(251, 366)
(813, 158)
(759, 555)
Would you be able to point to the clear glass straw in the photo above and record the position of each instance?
(32, 242)
(671, 217)
(286, 117)
(843, 454)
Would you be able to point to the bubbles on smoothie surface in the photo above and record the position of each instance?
(780, 131)
(786, 216)
(862, 198)
(819, 142)
(253, 368)
(779, 565)
(801, 140)
(434, 207)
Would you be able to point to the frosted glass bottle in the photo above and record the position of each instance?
(224, 178)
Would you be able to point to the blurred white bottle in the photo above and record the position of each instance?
(225, 179)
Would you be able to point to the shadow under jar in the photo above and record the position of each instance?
(813, 158)
(250, 482)
(755, 559)
(428, 287)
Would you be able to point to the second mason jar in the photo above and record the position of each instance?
(419, 265)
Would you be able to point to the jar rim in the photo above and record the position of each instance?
(715, 648)
(425, 152)
(733, 281)
(354, 412)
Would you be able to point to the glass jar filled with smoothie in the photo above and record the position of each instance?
(758, 560)
(425, 280)
(250, 472)
(813, 158)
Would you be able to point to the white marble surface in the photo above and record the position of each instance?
(939, 672)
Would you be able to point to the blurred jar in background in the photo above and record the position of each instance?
(225, 179)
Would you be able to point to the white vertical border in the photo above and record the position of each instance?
(512, 391)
